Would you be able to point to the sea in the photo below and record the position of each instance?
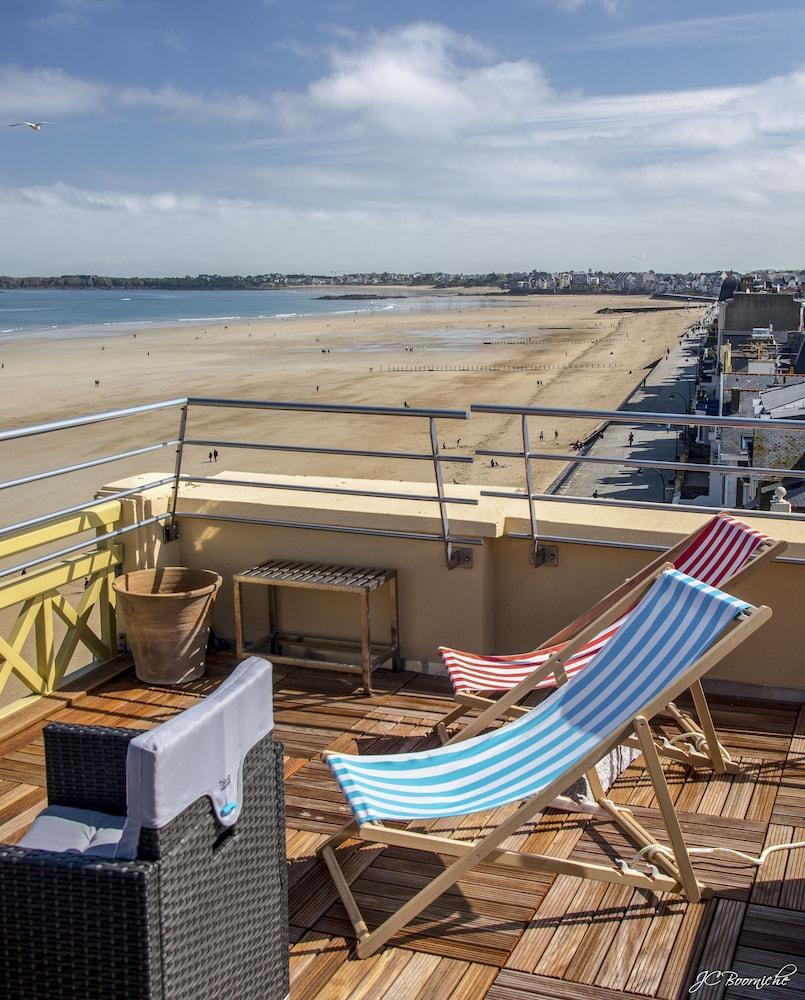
(92, 312)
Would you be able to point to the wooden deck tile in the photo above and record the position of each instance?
(717, 949)
(792, 892)
(623, 947)
(19, 808)
(513, 985)
(313, 800)
(479, 919)
(602, 842)
(314, 960)
(774, 929)
(662, 965)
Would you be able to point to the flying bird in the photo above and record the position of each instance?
(36, 126)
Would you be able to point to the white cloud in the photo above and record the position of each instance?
(690, 31)
(421, 79)
(48, 92)
(52, 93)
(571, 6)
(72, 13)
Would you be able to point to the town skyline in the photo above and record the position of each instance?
(703, 283)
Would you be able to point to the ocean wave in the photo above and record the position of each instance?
(201, 319)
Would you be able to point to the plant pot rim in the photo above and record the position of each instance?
(119, 584)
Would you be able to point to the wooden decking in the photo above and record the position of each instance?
(520, 935)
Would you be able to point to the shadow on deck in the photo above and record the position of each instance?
(498, 936)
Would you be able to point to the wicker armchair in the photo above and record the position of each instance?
(200, 911)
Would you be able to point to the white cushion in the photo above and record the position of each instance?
(198, 752)
(76, 831)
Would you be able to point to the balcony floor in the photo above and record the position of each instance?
(501, 937)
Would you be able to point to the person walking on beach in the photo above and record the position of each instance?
(631, 439)
(542, 435)
(209, 459)
(556, 435)
(215, 454)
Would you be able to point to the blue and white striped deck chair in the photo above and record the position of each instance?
(677, 632)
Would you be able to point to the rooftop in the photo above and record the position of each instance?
(494, 936)
(501, 572)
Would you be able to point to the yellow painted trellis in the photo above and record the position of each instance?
(39, 598)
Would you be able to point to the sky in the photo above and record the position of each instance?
(335, 136)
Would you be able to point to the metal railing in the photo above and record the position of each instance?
(432, 455)
(629, 417)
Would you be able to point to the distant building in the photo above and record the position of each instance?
(745, 311)
(728, 287)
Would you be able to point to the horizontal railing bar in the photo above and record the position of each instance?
(309, 450)
(607, 544)
(92, 418)
(65, 511)
(340, 491)
(86, 544)
(745, 470)
(52, 473)
(368, 411)
(640, 504)
(640, 417)
(376, 532)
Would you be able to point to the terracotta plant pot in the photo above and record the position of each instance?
(166, 615)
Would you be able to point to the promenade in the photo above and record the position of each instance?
(668, 388)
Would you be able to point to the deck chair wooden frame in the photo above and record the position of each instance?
(701, 745)
(678, 875)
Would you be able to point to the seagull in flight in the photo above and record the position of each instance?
(36, 126)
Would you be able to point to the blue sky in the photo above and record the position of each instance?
(349, 135)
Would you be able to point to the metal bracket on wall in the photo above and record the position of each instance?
(546, 555)
(460, 558)
(170, 530)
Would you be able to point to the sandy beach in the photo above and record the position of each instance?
(549, 350)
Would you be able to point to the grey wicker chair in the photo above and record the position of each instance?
(199, 908)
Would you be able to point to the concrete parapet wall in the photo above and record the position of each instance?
(501, 605)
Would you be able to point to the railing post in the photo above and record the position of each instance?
(451, 558)
(107, 600)
(529, 485)
(171, 528)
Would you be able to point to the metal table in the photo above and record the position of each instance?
(359, 580)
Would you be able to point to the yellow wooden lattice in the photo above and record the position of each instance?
(39, 597)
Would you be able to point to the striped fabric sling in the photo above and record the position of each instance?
(722, 548)
(670, 628)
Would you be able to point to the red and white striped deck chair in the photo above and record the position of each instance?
(721, 553)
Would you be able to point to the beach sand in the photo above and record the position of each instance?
(585, 359)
